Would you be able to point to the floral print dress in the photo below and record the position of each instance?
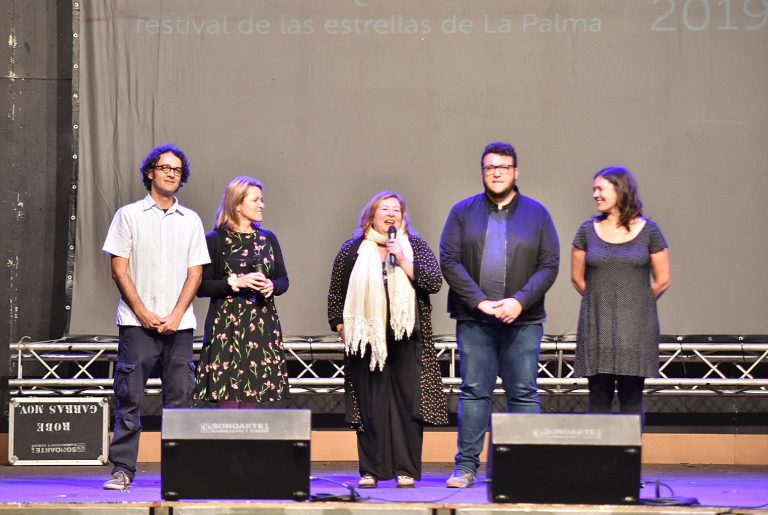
(243, 358)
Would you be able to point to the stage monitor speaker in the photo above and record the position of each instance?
(543, 458)
(235, 454)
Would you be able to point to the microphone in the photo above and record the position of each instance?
(392, 232)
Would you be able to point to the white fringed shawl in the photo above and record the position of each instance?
(365, 309)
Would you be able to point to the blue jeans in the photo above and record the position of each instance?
(485, 352)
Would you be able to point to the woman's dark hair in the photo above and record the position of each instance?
(627, 196)
(151, 161)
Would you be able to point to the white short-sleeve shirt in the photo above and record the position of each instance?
(160, 248)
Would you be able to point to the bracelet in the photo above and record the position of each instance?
(232, 282)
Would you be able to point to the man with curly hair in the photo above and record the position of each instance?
(157, 249)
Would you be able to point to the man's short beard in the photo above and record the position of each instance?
(501, 196)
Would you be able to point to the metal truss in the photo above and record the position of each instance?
(316, 365)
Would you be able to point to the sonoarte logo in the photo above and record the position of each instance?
(58, 448)
(234, 427)
(578, 433)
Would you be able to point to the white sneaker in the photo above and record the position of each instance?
(461, 479)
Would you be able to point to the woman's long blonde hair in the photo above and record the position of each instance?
(234, 194)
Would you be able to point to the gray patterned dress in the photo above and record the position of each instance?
(618, 330)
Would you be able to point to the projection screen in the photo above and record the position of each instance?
(330, 101)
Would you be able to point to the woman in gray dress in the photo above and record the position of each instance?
(620, 266)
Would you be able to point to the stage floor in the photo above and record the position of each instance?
(735, 487)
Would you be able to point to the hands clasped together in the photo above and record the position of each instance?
(163, 325)
(506, 310)
(255, 281)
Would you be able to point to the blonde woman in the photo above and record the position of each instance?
(378, 301)
(242, 363)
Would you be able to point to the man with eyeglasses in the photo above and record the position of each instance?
(499, 254)
(157, 248)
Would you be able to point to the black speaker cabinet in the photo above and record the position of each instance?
(581, 459)
(235, 454)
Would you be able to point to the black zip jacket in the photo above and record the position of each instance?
(533, 257)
